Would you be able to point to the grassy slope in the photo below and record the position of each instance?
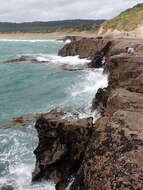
(127, 20)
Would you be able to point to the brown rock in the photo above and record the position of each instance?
(24, 58)
(107, 156)
(100, 100)
(113, 158)
(61, 149)
(85, 48)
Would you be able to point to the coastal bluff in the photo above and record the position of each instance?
(107, 154)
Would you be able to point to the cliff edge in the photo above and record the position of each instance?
(106, 155)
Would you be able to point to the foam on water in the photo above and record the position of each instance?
(68, 41)
(70, 60)
(28, 40)
(17, 160)
(56, 88)
(94, 79)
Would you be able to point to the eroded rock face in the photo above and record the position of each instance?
(85, 48)
(113, 158)
(103, 52)
(61, 149)
(107, 155)
(96, 49)
(124, 71)
(100, 100)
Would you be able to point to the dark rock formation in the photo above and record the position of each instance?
(125, 71)
(85, 48)
(97, 60)
(100, 100)
(31, 118)
(61, 149)
(113, 158)
(95, 49)
(107, 155)
(24, 58)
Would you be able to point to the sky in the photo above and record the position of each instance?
(46, 10)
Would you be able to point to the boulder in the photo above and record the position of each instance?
(25, 58)
(61, 148)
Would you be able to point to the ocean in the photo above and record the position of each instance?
(28, 88)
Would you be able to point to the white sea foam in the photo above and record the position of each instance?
(68, 41)
(18, 155)
(29, 40)
(90, 81)
(58, 60)
(85, 88)
(94, 79)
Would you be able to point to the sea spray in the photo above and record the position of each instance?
(31, 88)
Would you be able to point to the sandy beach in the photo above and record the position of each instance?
(44, 36)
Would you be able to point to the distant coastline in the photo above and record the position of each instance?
(44, 36)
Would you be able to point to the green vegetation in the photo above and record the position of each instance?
(127, 20)
(51, 26)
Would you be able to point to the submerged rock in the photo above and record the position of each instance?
(85, 48)
(24, 58)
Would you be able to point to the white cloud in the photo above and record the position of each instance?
(44, 10)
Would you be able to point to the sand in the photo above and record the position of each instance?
(44, 36)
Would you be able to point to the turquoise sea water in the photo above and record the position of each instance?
(27, 88)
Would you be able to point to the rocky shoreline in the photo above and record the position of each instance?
(106, 155)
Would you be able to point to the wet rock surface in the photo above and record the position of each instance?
(95, 49)
(24, 58)
(61, 148)
(106, 155)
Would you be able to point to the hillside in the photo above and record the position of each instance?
(51, 26)
(126, 21)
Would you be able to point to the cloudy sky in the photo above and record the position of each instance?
(45, 10)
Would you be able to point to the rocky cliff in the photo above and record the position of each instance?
(113, 158)
(106, 155)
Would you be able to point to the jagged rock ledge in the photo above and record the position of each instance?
(106, 155)
(61, 149)
(97, 48)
